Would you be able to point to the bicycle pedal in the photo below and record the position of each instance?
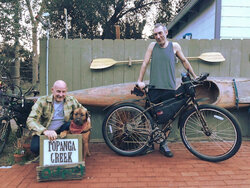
(158, 136)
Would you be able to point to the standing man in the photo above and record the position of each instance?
(50, 115)
(162, 70)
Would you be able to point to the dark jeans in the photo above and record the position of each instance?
(35, 142)
(159, 95)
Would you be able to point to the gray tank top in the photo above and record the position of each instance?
(162, 68)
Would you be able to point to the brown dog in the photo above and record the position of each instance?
(80, 125)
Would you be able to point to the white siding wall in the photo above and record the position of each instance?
(235, 19)
(202, 27)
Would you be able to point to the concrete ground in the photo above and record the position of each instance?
(107, 169)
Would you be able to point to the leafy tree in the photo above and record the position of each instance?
(87, 19)
(169, 9)
(18, 26)
(97, 18)
(10, 12)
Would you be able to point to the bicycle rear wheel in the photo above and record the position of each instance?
(220, 141)
(4, 132)
(126, 129)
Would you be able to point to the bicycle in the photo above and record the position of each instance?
(209, 132)
(13, 105)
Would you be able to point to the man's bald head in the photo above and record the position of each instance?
(59, 90)
(60, 83)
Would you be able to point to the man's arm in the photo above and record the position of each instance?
(184, 61)
(33, 121)
(34, 118)
(145, 64)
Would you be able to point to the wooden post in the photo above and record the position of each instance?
(117, 31)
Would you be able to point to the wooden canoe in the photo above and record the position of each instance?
(220, 91)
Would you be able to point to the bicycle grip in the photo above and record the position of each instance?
(137, 91)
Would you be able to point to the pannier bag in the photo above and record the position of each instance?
(168, 108)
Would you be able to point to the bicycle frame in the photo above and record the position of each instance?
(168, 125)
(190, 102)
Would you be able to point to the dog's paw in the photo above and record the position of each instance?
(63, 134)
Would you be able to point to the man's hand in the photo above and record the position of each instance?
(51, 134)
(141, 85)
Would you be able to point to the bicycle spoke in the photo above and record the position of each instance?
(214, 141)
(127, 130)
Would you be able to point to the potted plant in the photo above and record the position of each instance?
(26, 145)
(18, 152)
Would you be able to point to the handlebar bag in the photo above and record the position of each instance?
(167, 109)
(189, 89)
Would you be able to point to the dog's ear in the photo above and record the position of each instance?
(87, 114)
(71, 114)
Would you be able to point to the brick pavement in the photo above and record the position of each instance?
(107, 169)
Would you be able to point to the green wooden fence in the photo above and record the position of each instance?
(70, 60)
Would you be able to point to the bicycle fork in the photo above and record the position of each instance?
(205, 128)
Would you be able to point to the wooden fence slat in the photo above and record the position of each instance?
(235, 58)
(185, 49)
(97, 53)
(245, 59)
(67, 66)
(225, 50)
(56, 61)
(108, 74)
(86, 58)
(76, 65)
(129, 72)
(140, 47)
(194, 50)
(119, 56)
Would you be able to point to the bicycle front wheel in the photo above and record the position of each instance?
(218, 140)
(126, 129)
(4, 132)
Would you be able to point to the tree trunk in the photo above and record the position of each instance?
(15, 67)
(35, 56)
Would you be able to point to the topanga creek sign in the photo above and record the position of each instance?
(61, 159)
(61, 151)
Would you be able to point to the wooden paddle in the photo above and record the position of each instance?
(212, 57)
(102, 63)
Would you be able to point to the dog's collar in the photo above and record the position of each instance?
(86, 131)
(76, 129)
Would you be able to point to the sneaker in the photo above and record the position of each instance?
(149, 149)
(164, 149)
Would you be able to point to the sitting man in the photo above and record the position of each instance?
(50, 115)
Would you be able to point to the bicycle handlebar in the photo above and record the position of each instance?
(140, 92)
(202, 77)
(20, 96)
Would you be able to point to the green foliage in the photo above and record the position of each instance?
(7, 58)
(97, 18)
(10, 27)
